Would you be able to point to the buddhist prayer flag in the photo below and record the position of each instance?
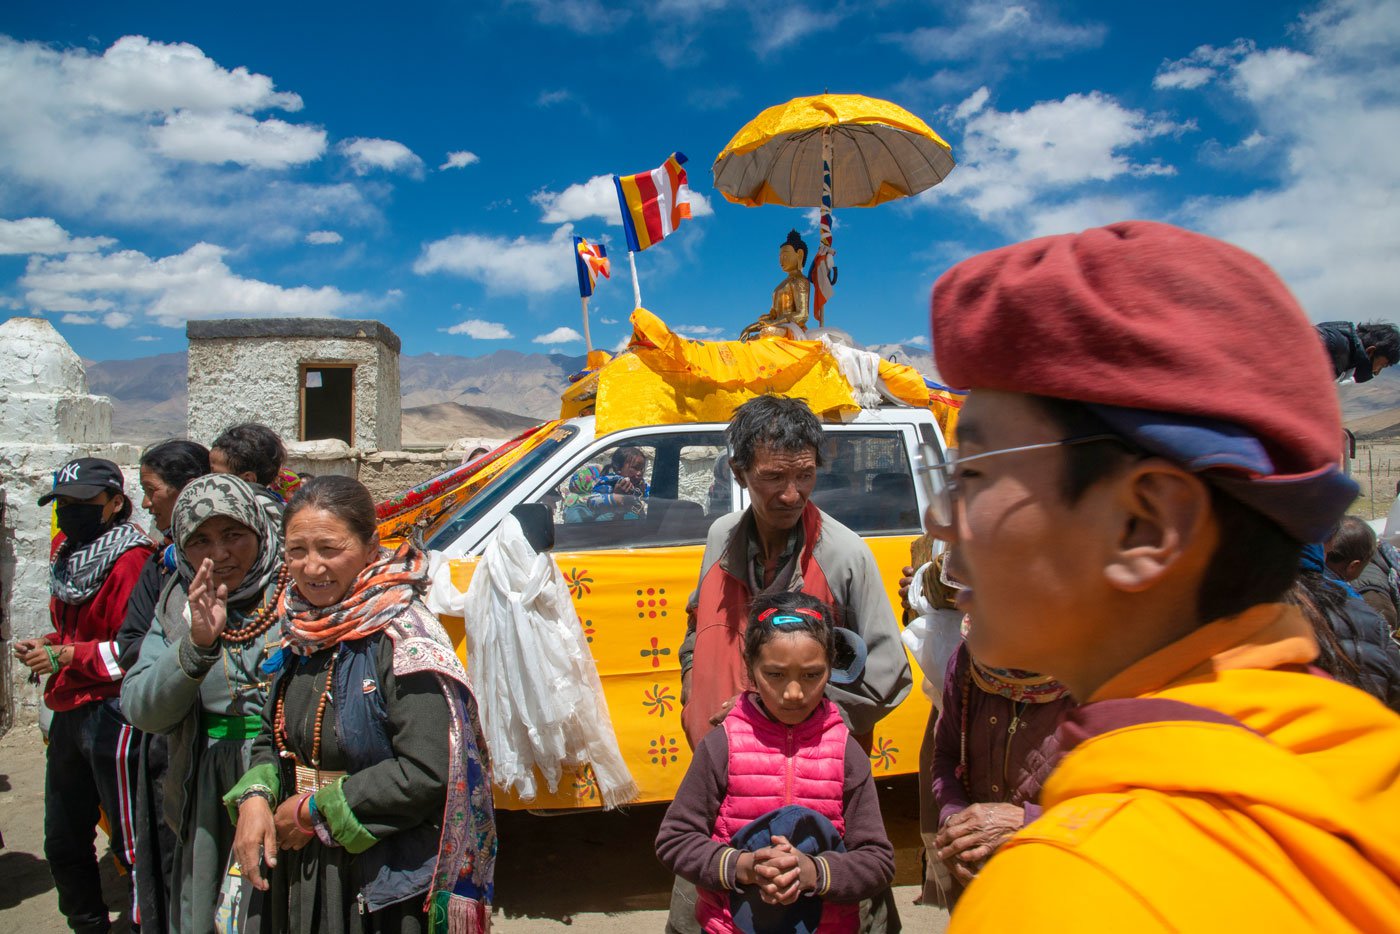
(592, 262)
(653, 203)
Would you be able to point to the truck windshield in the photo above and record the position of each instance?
(488, 496)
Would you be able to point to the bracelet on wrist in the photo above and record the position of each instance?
(256, 791)
(55, 656)
(323, 827)
(306, 828)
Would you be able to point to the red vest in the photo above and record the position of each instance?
(772, 765)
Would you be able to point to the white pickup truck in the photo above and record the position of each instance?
(630, 576)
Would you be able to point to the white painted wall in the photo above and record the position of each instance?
(46, 419)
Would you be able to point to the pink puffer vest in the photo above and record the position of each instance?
(772, 765)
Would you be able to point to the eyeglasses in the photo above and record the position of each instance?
(939, 474)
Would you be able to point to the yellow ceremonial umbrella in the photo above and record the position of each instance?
(831, 151)
(878, 152)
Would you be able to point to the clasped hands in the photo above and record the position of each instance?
(261, 833)
(780, 870)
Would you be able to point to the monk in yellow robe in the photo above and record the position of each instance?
(1128, 506)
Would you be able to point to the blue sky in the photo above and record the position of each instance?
(161, 161)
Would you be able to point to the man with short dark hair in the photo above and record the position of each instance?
(1128, 505)
(1360, 351)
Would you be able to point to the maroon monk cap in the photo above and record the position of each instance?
(1191, 348)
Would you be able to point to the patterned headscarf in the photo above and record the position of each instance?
(230, 496)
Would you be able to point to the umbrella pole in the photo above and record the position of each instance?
(823, 274)
(587, 340)
(636, 286)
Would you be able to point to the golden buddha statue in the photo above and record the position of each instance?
(791, 298)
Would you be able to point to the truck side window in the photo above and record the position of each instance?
(866, 483)
(648, 492)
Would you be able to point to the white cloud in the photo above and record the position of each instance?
(560, 335)
(597, 197)
(587, 17)
(146, 338)
(44, 235)
(607, 321)
(194, 284)
(1201, 67)
(1016, 165)
(481, 330)
(918, 340)
(366, 154)
(785, 26)
(137, 75)
(460, 160)
(158, 135)
(113, 319)
(556, 96)
(523, 265)
(1330, 111)
(323, 237)
(994, 29)
(699, 331)
(238, 138)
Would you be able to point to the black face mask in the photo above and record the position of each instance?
(80, 522)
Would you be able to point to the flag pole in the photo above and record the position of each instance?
(587, 340)
(636, 286)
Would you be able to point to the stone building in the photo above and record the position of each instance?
(308, 379)
(46, 419)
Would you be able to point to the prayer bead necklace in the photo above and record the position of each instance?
(262, 621)
(279, 723)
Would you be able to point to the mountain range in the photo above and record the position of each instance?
(445, 396)
(498, 395)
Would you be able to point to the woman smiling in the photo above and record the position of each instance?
(199, 676)
(388, 828)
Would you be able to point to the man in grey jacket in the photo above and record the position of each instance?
(782, 541)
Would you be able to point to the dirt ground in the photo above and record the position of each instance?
(1376, 467)
(586, 874)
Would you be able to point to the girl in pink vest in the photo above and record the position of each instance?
(783, 745)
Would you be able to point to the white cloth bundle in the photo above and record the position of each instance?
(861, 369)
(542, 704)
(932, 637)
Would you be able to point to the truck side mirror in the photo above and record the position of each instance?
(537, 521)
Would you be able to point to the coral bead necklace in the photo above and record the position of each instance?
(262, 621)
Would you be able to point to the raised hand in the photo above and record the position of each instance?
(208, 607)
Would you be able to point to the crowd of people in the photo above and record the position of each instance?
(1168, 710)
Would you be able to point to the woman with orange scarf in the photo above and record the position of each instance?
(355, 815)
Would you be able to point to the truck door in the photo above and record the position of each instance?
(631, 562)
